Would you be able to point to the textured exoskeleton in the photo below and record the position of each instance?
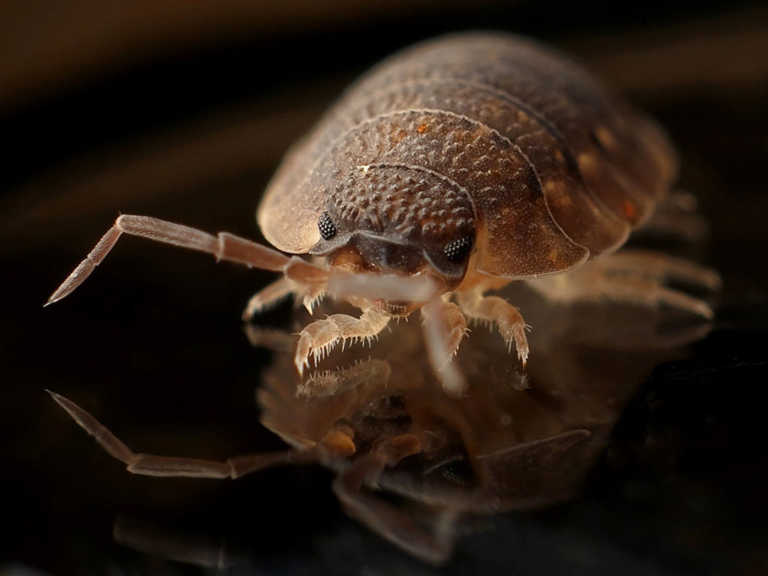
(449, 170)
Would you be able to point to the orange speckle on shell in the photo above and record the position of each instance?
(422, 128)
(552, 256)
(630, 210)
(398, 136)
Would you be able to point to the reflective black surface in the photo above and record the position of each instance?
(153, 344)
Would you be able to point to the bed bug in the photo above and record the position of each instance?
(449, 170)
(414, 464)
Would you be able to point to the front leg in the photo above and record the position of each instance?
(319, 337)
(444, 329)
(495, 310)
(268, 296)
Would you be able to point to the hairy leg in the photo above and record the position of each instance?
(373, 374)
(319, 337)
(308, 294)
(496, 310)
(268, 296)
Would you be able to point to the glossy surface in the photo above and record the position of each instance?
(517, 439)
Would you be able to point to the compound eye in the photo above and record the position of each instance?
(326, 226)
(457, 250)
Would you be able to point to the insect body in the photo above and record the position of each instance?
(449, 170)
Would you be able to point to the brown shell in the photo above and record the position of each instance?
(556, 167)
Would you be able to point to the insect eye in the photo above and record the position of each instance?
(457, 250)
(326, 226)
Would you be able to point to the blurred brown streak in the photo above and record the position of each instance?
(160, 166)
(725, 54)
(46, 44)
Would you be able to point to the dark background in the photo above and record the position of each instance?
(183, 112)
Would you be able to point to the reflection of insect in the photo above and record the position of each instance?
(414, 464)
(451, 169)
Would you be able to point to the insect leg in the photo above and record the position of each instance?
(223, 246)
(676, 216)
(269, 338)
(319, 337)
(153, 465)
(373, 374)
(268, 296)
(431, 540)
(177, 544)
(495, 310)
(444, 328)
(648, 264)
(635, 278)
